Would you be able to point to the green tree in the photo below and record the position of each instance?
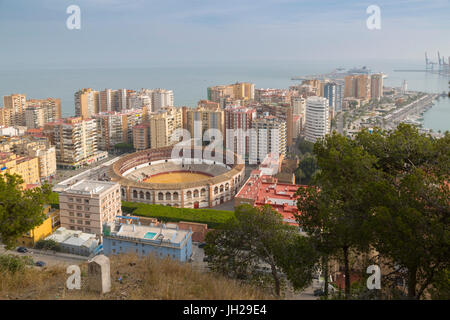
(411, 223)
(20, 210)
(256, 238)
(305, 146)
(307, 169)
(337, 217)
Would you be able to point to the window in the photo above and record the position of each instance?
(114, 250)
(79, 214)
(80, 221)
(79, 208)
(71, 199)
(87, 215)
(113, 243)
(71, 213)
(72, 221)
(72, 228)
(88, 230)
(86, 208)
(86, 201)
(88, 223)
(78, 200)
(70, 206)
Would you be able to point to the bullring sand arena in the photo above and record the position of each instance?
(176, 177)
(153, 176)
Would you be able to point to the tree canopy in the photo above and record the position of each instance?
(387, 191)
(20, 210)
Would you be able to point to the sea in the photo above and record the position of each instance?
(190, 81)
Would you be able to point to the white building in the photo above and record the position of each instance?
(161, 98)
(317, 123)
(268, 136)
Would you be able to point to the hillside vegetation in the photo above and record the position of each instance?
(142, 278)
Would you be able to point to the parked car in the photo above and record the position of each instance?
(318, 292)
(40, 264)
(202, 245)
(22, 250)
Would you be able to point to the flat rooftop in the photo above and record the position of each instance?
(90, 187)
(172, 235)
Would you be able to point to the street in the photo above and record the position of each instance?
(49, 258)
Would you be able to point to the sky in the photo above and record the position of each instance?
(133, 33)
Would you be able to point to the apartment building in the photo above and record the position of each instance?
(268, 136)
(238, 122)
(34, 117)
(6, 117)
(75, 140)
(86, 103)
(51, 108)
(161, 98)
(29, 146)
(211, 117)
(268, 96)
(137, 100)
(141, 136)
(113, 100)
(88, 204)
(357, 86)
(16, 104)
(163, 125)
(24, 166)
(317, 118)
(376, 86)
(238, 91)
(283, 112)
(116, 127)
(333, 93)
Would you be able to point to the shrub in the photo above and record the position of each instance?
(47, 245)
(13, 263)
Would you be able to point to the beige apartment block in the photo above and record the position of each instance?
(26, 167)
(117, 127)
(16, 104)
(34, 117)
(86, 103)
(211, 117)
(88, 204)
(75, 140)
(237, 91)
(141, 136)
(163, 126)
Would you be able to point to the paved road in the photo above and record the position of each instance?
(49, 259)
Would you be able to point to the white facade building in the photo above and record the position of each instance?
(161, 98)
(317, 118)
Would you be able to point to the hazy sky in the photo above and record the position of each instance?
(153, 32)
